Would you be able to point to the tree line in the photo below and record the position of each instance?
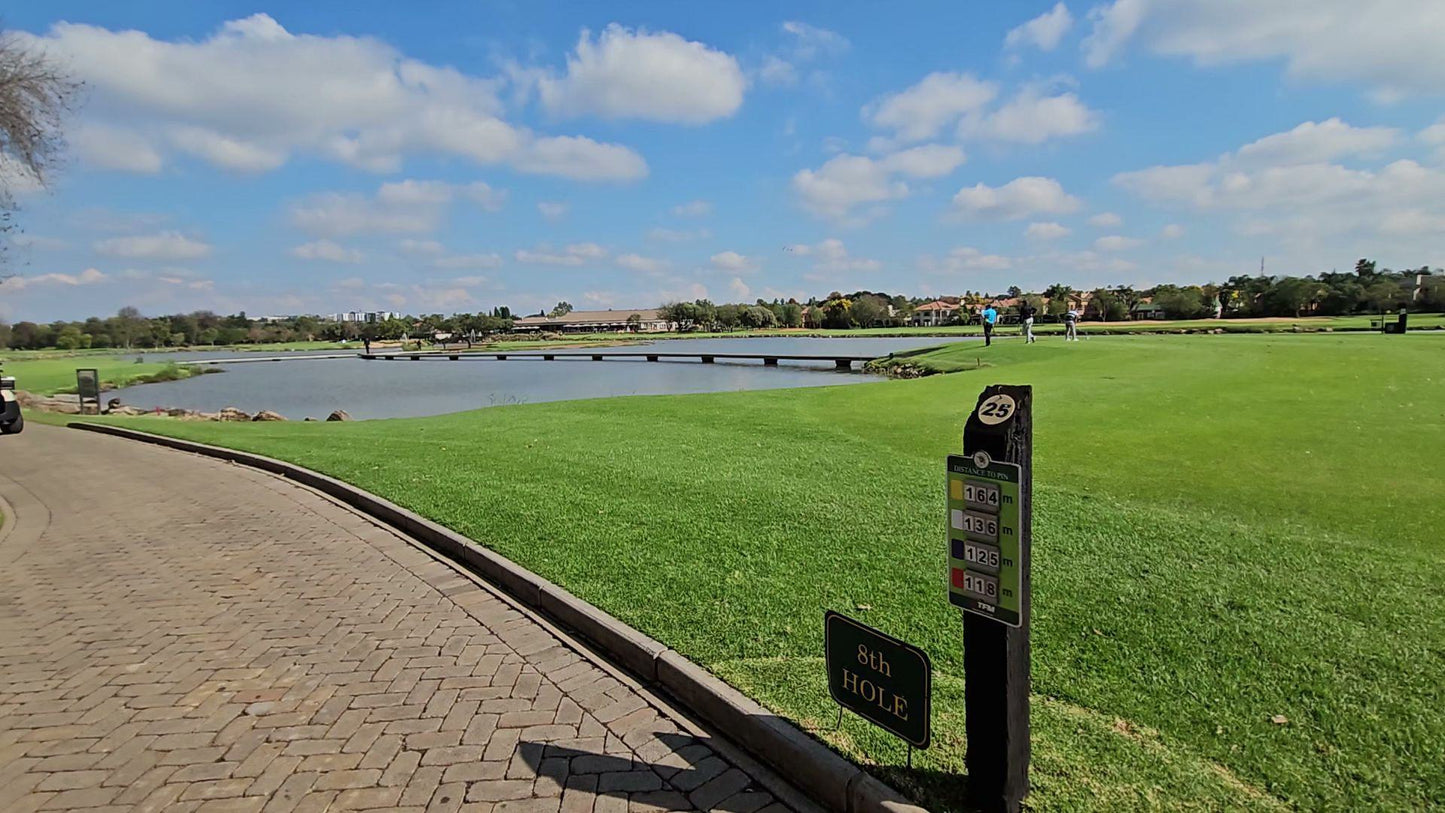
(128, 329)
(1365, 289)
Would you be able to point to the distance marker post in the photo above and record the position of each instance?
(989, 529)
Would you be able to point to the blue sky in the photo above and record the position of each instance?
(442, 157)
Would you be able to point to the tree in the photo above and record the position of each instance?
(562, 309)
(868, 311)
(35, 93)
(1015, 291)
(634, 322)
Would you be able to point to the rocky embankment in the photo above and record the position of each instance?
(69, 404)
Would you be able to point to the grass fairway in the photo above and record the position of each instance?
(1228, 528)
(48, 376)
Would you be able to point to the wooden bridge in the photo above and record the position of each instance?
(841, 362)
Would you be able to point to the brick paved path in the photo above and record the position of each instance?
(177, 633)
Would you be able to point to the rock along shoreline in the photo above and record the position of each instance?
(69, 404)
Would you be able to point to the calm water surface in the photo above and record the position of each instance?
(299, 387)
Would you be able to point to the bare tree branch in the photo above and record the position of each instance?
(35, 94)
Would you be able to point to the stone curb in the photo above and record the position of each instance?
(833, 781)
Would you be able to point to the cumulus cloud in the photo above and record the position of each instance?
(638, 74)
(553, 210)
(1315, 142)
(806, 43)
(848, 181)
(401, 207)
(462, 262)
(678, 235)
(1047, 231)
(169, 245)
(116, 148)
(1389, 46)
(733, 261)
(572, 255)
(1106, 220)
(252, 94)
(962, 259)
(695, 208)
(89, 276)
(637, 262)
(832, 255)
(1276, 191)
(1172, 231)
(1033, 117)
(327, 250)
(922, 111)
(1115, 242)
(1044, 31)
(1015, 200)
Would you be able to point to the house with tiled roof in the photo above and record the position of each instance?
(935, 313)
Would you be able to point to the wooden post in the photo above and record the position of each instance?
(995, 655)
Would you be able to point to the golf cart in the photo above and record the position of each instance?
(11, 421)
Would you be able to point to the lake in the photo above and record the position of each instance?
(298, 387)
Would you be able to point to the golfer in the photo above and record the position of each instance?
(1071, 326)
(1026, 313)
(990, 318)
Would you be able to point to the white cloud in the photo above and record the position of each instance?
(651, 76)
(401, 207)
(1015, 200)
(327, 250)
(573, 255)
(696, 208)
(1044, 31)
(1434, 135)
(553, 210)
(89, 276)
(637, 262)
(411, 246)
(1312, 142)
(1172, 231)
(167, 245)
(1047, 231)
(1106, 220)
(461, 262)
(845, 182)
(923, 110)
(810, 41)
(1389, 46)
(832, 255)
(778, 71)
(581, 159)
(252, 94)
(733, 261)
(1309, 209)
(678, 236)
(1032, 117)
(961, 259)
(1116, 242)
(739, 289)
(117, 148)
(227, 152)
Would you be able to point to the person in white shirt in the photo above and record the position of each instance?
(1071, 326)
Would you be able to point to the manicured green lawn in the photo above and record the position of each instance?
(47, 376)
(1228, 528)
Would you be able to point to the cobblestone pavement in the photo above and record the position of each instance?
(178, 633)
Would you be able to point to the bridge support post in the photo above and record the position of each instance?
(652, 358)
(596, 357)
(452, 358)
(844, 364)
(770, 361)
(707, 360)
(501, 357)
(549, 357)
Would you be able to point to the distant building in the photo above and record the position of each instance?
(1146, 309)
(364, 317)
(649, 320)
(935, 313)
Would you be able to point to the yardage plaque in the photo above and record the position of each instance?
(985, 568)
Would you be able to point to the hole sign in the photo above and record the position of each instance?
(996, 409)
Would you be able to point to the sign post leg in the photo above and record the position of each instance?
(995, 655)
